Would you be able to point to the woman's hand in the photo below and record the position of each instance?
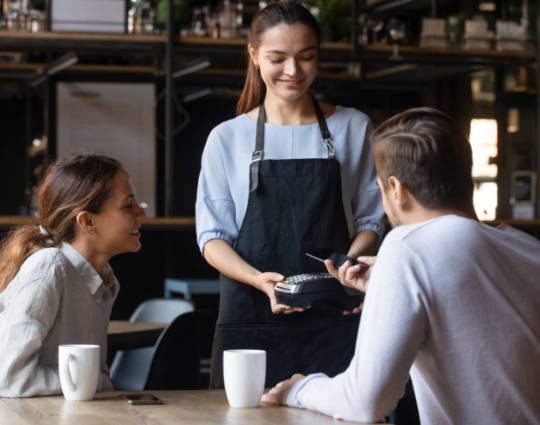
(221, 256)
(265, 282)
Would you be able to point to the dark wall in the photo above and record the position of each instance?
(12, 153)
(205, 114)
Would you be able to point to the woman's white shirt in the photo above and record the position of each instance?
(223, 190)
(56, 298)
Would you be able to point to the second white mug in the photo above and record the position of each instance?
(244, 373)
(79, 370)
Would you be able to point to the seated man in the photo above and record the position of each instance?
(452, 301)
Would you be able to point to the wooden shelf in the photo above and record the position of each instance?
(449, 56)
(189, 222)
(35, 67)
(207, 41)
(243, 42)
(17, 41)
(410, 5)
(13, 41)
(381, 52)
(105, 37)
(158, 222)
(386, 48)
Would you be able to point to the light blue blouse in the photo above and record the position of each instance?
(223, 190)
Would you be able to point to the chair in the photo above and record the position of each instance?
(188, 287)
(130, 368)
(175, 365)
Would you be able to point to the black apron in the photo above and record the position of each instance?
(294, 205)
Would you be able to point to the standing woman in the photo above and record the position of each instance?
(287, 175)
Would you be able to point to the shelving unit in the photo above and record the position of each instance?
(164, 48)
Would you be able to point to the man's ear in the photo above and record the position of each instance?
(86, 223)
(398, 192)
(253, 56)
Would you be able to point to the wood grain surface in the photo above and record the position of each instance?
(124, 335)
(124, 326)
(180, 408)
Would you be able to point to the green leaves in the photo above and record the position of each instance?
(333, 13)
(182, 12)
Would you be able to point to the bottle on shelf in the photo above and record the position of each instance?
(140, 17)
(199, 22)
(227, 20)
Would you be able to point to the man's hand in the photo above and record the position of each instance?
(266, 282)
(279, 394)
(352, 276)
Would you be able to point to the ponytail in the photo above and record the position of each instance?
(286, 12)
(254, 90)
(18, 245)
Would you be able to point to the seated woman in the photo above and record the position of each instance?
(56, 286)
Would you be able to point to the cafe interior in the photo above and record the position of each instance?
(145, 82)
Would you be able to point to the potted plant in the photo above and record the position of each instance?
(333, 15)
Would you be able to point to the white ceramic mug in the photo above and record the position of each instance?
(79, 370)
(244, 372)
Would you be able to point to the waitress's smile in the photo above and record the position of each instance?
(292, 84)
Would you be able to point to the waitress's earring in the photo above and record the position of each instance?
(256, 66)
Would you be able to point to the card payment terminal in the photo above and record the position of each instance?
(305, 289)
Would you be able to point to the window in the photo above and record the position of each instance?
(483, 140)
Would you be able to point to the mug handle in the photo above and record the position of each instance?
(67, 373)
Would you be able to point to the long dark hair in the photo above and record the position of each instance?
(285, 12)
(71, 185)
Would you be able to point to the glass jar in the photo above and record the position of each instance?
(227, 20)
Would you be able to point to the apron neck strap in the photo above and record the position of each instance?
(325, 133)
(257, 155)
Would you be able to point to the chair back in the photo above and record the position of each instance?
(130, 368)
(159, 310)
(176, 361)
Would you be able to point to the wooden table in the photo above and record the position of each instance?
(180, 408)
(124, 335)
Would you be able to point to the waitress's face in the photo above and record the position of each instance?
(287, 58)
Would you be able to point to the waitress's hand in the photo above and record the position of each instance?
(265, 282)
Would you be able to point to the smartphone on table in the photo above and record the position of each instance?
(337, 259)
(141, 399)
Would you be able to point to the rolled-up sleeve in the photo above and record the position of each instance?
(32, 309)
(215, 208)
(367, 206)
